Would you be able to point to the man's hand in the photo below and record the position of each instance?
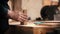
(18, 16)
(22, 17)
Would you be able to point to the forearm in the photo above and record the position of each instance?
(13, 15)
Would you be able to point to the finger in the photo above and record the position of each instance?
(21, 19)
(24, 16)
